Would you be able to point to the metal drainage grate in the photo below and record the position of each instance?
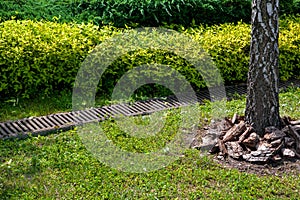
(65, 121)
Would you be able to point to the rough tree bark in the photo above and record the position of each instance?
(262, 106)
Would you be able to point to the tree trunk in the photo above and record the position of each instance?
(262, 106)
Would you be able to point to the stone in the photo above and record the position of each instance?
(262, 151)
(246, 156)
(256, 153)
(258, 159)
(288, 153)
(220, 157)
(251, 141)
(234, 150)
(209, 140)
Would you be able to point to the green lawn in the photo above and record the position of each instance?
(58, 166)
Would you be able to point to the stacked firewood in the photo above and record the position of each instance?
(239, 141)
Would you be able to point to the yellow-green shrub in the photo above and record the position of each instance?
(39, 57)
(229, 45)
(289, 45)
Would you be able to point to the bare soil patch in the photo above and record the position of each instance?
(279, 168)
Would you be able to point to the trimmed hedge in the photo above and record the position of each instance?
(229, 45)
(289, 45)
(37, 58)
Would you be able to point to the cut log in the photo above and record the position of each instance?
(294, 134)
(296, 128)
(295, 122)
(235, 131)
(245, 134)
(276, 158)
(222, 148)
(277, 142)
(238, 140)
(234, 118)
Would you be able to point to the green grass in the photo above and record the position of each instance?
(58, 166)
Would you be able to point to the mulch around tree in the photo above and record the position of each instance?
(283, 167)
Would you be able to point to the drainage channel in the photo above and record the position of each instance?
(65, 121)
